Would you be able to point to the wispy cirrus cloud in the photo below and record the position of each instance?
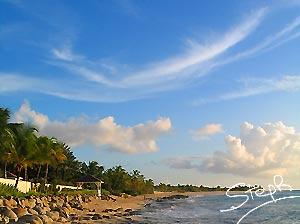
(175, 67)
(110, 84)
(288, 33)
(256, 86)
(66, 54)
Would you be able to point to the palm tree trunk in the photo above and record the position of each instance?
(19, 169)
(46, 173)
(39, 171)
(4, 172)
(25, 173)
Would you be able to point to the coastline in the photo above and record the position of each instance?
(122, 210)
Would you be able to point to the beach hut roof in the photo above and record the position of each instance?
(89, 179)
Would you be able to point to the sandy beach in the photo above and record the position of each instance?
(118, 210)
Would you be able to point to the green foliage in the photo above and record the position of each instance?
(9, 190)
(74, 192)
(105, 192)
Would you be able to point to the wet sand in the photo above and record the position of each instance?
(120, 209)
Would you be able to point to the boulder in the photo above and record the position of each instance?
(7, 212)
(40, 210)
(45, 201)
(54, 215)
(32, 219)
(4, 220)
(96, 216)
(27, 203)
(31, 203)
(32, 211)
(10, 203)
(20, 211)
(46, 219)
(39, 202)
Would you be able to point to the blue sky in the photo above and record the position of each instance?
(190, 92)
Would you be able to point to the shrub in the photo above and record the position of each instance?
(9, 190)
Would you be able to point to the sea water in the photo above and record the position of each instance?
(206, 209)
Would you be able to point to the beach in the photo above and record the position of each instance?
(122, 210)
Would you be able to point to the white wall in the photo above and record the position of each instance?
(23, 186)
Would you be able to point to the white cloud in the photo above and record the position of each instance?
(254, 86)
(272, 41)
(15, 82)
(269, 149)
(170, 68)
(205, 133)
(66, 54)
(99, 84)
(141, 138)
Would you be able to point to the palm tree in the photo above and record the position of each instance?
(44, 154)
(5, 138)
(23, 148)
(51, 153)
(58, 155)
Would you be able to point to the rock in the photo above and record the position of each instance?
(108, 210)
(4, 220)
(86, 218)
(64, 212)
(27, 203)
(20, 211)
(39, 202)
(40, 210)
(62, 220)
(73, 217)
(106, 216)
(32, 211)
(5, 211)
(128, 210)
(119, 209)
(45, 201)
(119, 214)
(22, 202)
(54, 215)
(31, 203)
(46, 219)
(10, 202)
(96, 216)
(32, 219)
(173, 197)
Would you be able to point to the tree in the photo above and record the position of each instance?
(24, 147)
(94, 169)
(58, 155)
(50, 153)
(117, 180)
(5, 139)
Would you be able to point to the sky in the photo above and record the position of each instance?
(187, 92)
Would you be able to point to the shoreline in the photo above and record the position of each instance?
(123, 210)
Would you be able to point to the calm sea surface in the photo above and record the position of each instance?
(206, 210)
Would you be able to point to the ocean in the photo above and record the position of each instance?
(206, 209)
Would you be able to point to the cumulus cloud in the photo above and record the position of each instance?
(141, 138)
(269, 149)
(205, 133)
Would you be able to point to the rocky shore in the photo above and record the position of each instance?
(58, 209)
(75, 209)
